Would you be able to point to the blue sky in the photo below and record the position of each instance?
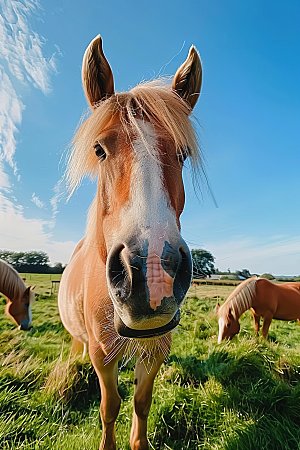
(248, 118)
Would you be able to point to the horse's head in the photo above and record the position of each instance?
(229, 326)
(137, 142)
(20, 309)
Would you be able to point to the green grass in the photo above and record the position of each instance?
(241, 395)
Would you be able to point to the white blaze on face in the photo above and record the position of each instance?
(221, 329)
(29, 315)
(150, 211)
(31, 300)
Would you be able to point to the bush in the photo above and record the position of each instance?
(267, 276)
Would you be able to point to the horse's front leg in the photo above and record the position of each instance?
(256, 319)
(110, 398)
(266, 325)
(144, 379)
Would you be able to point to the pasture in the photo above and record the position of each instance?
(242, 395)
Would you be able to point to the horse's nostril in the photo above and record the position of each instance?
(170, 259)
(117, 274)
(183, 275)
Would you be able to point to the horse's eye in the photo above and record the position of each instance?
(100, 152)
(228, 325)
(182, 155)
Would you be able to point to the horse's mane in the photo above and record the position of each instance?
(11, 285)
(154, 101)
(240, 299)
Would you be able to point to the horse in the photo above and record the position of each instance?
(265, 299)
(121, 293)
(19, 298)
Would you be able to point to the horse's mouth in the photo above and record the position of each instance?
(125, 331)
(24, 328)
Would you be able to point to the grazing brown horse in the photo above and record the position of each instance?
(123, 288)
(18, 297)
(265, 299)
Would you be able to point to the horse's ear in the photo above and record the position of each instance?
(97, 77)
(33, 287)
(188, 78)
(217, 307)
(26, 294)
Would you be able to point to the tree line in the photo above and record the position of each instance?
(30, 262)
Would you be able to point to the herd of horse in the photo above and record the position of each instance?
(122, 291)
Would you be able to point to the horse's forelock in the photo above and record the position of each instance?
(152, 101)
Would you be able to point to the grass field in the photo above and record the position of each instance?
(243, 395)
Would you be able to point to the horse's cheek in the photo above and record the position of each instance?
(11, 313)
(8, 309)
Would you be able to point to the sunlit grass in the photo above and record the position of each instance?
(241, 395)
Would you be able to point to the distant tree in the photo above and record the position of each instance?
(7, 256)
(203, 263)
(243, 273)
(268, 276)
(33, 261)
(57, 268)
(37, 258)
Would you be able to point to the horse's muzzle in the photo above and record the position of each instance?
(147, 290)
(125, 331)
(25, 327)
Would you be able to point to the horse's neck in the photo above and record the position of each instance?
(242, 301)
(11, 284)
(94, 237)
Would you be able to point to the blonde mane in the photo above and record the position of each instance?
(11, 285)
(240, 299)
(154, 101)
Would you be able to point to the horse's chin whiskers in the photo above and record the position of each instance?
(129, 353)
(144, 349)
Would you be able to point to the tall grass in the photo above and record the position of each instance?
(241, 395)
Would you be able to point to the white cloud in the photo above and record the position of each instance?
(21, 60)
(56, 198)
(37, 201)
(4, 180)
(21, 47)
(59, 251)
(11, 108)
(22, 234)
(277, 255)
